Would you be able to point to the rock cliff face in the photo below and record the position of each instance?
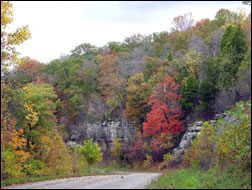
(105, 132)
(193, 130)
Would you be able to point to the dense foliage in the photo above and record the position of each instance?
(160, 82)
(163, 123)
(225, 147)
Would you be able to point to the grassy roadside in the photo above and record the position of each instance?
(95, 172)
(16, 181)
(99, 170)
(197, 179)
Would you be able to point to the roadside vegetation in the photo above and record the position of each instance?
(231, 178)
(97, 170)
(161, 82)
(219, 158)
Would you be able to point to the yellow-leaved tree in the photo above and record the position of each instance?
(9, 40)
(12, 141)
(194, 61)
(116, 150)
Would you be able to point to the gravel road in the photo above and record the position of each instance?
(120, 181)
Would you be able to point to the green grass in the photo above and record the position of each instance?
(177, 179)
(197, 179)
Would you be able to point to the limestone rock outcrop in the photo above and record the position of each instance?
(105, 132)
(191, 132)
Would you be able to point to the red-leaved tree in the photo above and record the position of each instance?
(163, 120)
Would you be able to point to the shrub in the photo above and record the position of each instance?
(34, 168)
(91, 152)
(55, 154)
(233, 145)
(9, 164)
(168, 158)
(116, 150)
(230, 144)
(148, 161)
(78, 161)
(201, 153)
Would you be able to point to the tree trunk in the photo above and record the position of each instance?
(28, 144)
(89, 170)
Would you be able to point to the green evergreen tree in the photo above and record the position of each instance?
(190, 92)
(233, 48)
(209, 88)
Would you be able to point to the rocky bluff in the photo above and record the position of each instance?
(103, 132)
(193, 130)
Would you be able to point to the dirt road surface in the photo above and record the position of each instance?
(119, 181)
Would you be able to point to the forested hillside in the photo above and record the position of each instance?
(160, 82)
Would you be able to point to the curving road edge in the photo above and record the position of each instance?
(119, 181)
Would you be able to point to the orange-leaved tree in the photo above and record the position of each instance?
(163, 120)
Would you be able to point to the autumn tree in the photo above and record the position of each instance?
(36, 111)
(214, 42)
(183, 23)
(194, 62)
(138, 93)
(29, 70)
(197, 44)
(84, 50)
(12, 140)
(223, 16)
(134, 40)
(91, 152)
(116, 47)
(165, 111)
(54, 153)
(9, 40)
(81, 88)
(116, 151)
(111, 83)
(76, 156)
(179, 41)
(125, 67)
(161, 43)
(203, 28)
(181, 69)
(74, 81)
(137, 150)
(151, 66)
